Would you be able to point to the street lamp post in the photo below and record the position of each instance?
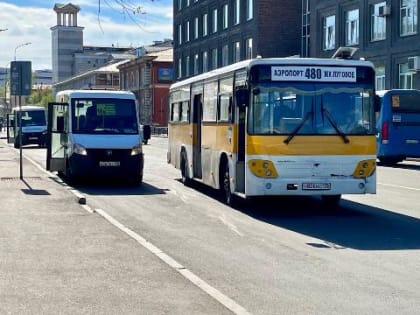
(21, 45)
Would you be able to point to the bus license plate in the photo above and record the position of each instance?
(316, 186)
(109, 163)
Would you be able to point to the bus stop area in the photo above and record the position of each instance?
(58, 258)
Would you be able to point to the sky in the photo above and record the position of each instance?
(27, 24)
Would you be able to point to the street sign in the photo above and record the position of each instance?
(20, 78)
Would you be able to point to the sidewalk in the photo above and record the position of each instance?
(57, 258)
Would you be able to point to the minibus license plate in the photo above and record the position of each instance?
(109, 163)
(316, 186)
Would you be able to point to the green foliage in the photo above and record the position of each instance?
(41, 97)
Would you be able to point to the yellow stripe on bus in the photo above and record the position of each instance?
(311, 145)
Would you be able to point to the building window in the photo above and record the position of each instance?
(249, 9)
(205, 21)
(237, 12)
(187, 31)
(179, 5)
(329, 33)
(405, 76)
(380, 78)
(214, 29)
(188, 3)
(249, 53)
(378, 23)
(187, 66)
(352, 27)
(214, 61)
(237, 52)
(179, 34)
(408, 17)
(196, 28)
(306, 29)
(225, 16)
(225, 55)
(205, 61)
(196, 67)
(179, 67)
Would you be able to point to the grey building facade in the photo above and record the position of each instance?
(209, 34)
(385, 32)
(69, 56)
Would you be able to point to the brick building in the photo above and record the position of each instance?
(385, 32)
(209, 34)
(149, 77)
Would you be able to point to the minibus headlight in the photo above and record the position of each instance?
(136, 150)
(79, 149)
(262, 168)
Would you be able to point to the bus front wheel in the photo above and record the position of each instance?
(225, 190)
(184, 169)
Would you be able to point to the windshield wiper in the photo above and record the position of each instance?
(295, 132)
(332, 122)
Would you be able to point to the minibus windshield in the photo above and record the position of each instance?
(32, 118)
(104, 116)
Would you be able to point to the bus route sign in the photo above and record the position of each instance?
(313, 73)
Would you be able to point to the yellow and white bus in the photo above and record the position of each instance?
(278, 126)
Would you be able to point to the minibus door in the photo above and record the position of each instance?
(57, 135)
(10, 128)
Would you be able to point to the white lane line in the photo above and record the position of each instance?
(213, 292)
(398, 186)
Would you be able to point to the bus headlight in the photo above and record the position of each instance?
(262, 168)
(79, 149)
(364, 168)
(136, 150)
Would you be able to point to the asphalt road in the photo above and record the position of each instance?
(279, 255)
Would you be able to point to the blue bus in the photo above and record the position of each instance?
(398, 125)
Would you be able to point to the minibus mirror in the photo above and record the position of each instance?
(60, 124)
(377, 103)
(80, 105)
(242, 97)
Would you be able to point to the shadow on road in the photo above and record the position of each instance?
(351, 225)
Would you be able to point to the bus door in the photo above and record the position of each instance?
(57, 135)
(240, 162)
(197, 115)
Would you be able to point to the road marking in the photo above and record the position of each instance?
(213, 292)
(398, 186)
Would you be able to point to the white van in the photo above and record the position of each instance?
(34, 125)
(95, 134)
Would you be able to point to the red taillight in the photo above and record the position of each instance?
(385, 131)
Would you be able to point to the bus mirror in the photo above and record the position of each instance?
(377, 103)
(60, 124)
(242, 97)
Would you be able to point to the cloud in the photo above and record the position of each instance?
(32, 24)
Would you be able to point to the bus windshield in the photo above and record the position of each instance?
(311, 108)
(104, 116)
(33, 118)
